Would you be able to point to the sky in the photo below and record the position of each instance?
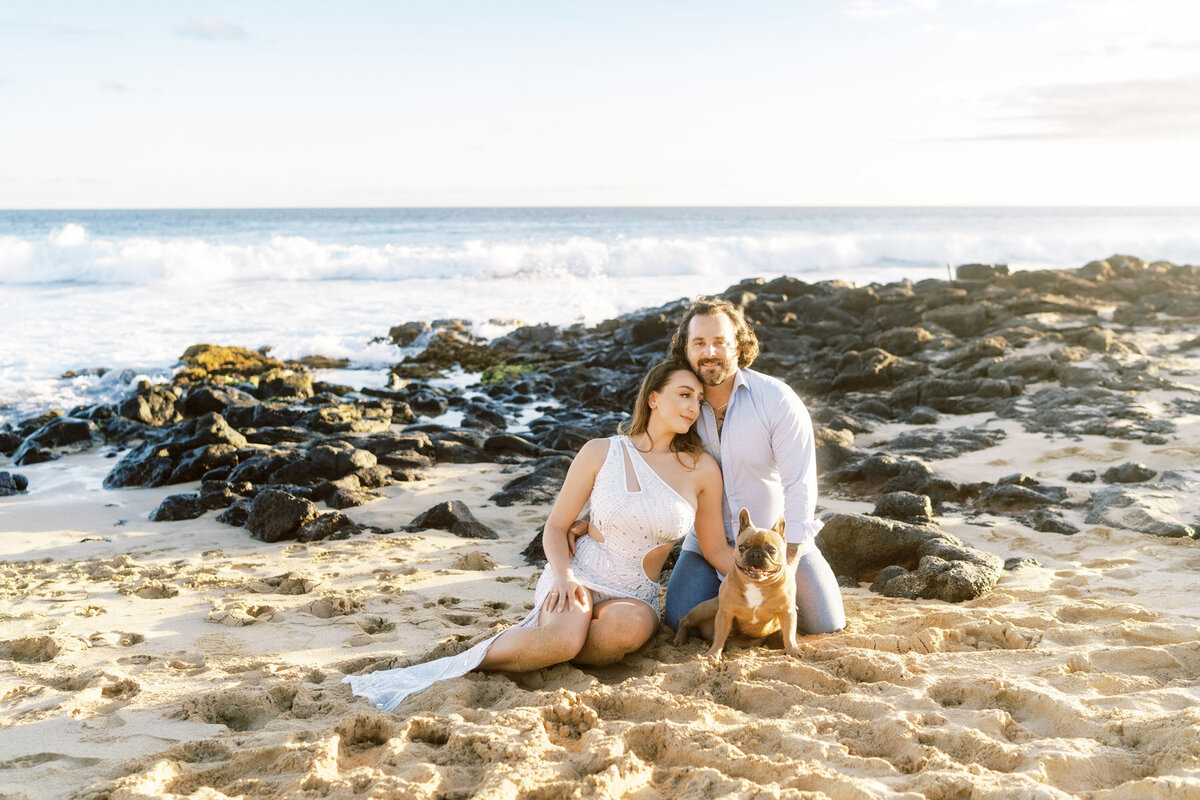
(363, 103)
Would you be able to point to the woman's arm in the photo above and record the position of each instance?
(710, 522)
(576, 489)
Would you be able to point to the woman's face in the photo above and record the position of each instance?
(677, 404)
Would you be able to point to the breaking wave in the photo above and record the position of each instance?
(71, 254)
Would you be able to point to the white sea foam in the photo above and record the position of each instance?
(70, 254)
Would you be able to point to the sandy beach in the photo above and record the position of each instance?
(145, 659)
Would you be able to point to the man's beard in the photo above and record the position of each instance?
(714, 371)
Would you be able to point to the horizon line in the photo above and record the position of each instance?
(602, 206)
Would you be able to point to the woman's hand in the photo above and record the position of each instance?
(564, 591)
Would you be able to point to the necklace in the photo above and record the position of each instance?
(718, 409)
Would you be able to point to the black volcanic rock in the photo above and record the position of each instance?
(276, 515)
(149, 464)
(538, 487)
(1044, 519)
(924, 561)
(154, 406)
(203, 399)
(905, 507)
(334, 525)
(12, 483)
(1129, 472)
(935, 444)
(453, 516)
(504, 443)
(178, 507)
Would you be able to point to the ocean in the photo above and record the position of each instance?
(125, 292)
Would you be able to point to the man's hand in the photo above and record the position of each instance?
(578, 528)
(793, 553)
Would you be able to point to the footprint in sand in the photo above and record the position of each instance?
(239, 613)
(122, 689)
(152, 590)
(568, 719)
(188, 662)
(373, 628)
(287, 583)
(239, 709)
(115, 639)
(373, 625)
(39, 649)
(331, 606)
(365, 732)
(476, 560)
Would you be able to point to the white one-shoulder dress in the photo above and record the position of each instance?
(631, 521)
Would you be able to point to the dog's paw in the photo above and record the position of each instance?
(714, 653)
(681, 638)
(794, 652)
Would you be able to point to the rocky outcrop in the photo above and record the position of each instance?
(906, 560)
(214, 360)
(453, 516)
(1019, 493)
(1163, 508)
(1027, 348)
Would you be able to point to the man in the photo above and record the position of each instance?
(760, 433)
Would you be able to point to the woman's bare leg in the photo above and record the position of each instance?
(618, 627)
(558, 637)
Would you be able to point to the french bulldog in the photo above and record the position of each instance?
(759, 594)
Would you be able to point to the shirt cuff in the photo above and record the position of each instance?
(802, 532)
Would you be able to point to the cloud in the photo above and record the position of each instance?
(1132, 110)
(210, 29)
(113, 86)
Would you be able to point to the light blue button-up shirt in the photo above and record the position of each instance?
(767, 457)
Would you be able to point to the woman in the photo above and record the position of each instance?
(647, 487)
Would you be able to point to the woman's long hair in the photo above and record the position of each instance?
(657, 378)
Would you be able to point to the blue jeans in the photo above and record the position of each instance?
(818, 597)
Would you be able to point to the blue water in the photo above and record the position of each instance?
(130, 290)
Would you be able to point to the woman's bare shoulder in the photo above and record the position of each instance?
(593, 452)
(705, 465)
(709, 465)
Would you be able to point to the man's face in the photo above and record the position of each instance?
(712, 348)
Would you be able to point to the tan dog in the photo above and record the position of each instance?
(759, 594)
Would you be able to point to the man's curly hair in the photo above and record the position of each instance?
(747, 342)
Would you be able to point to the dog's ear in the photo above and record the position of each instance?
(778, 528)
(744, 520)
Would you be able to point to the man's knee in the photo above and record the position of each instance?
(692, 582)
